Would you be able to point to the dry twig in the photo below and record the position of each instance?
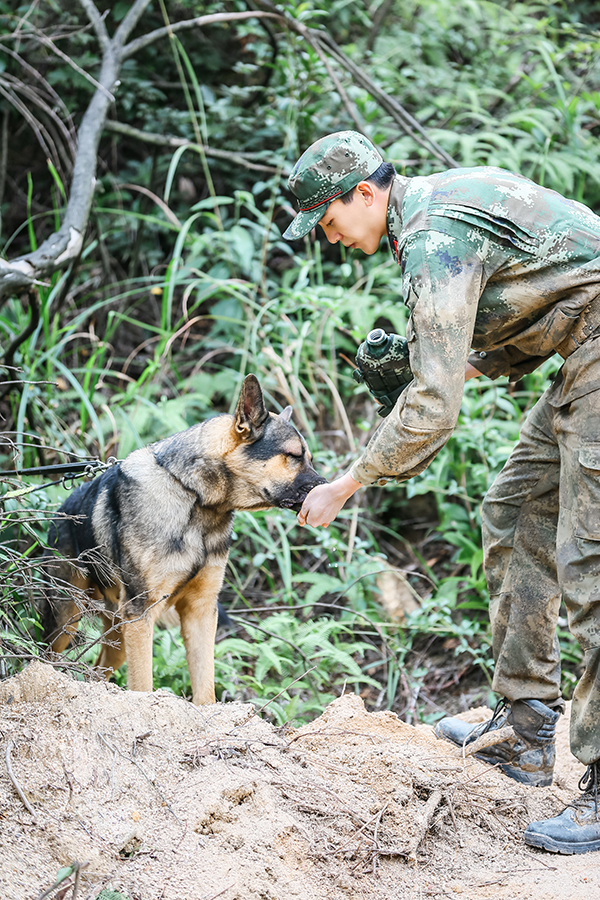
(16, 785)
(116, 750)
(375, 830)
(214, 896)
(76, 868)
(423, 821)
(487, 740)
(358, 832)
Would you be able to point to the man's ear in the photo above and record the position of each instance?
(250, 414)
(286, 415)
(367, 192)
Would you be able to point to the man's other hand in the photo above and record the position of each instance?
(324, 502)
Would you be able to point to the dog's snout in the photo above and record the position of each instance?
(296, 493)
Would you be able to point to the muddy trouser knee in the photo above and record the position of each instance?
(519, 523)
(550, 485)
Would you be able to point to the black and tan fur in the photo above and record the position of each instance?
(153, 532)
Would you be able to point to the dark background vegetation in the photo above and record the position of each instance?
(184, 285)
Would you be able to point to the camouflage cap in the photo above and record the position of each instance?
(330, 167)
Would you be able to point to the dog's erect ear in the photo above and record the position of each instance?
(250, 415)
(286, 415)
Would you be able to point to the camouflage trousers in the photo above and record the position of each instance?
(541, 535)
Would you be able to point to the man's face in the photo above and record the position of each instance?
(360, 224)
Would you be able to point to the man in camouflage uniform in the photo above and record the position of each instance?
(498, 275)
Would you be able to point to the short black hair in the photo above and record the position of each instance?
(381, 178)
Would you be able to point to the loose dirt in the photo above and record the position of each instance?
(166, 801)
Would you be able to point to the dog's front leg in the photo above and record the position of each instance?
(137, 638)
(197, 608)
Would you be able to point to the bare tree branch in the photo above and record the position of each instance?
(198, 22)
(129, 22)
(40, 78)
(67, 146)
(165, 140)
(97, 21)
(52, 46)
(64, 246)
(43, 136)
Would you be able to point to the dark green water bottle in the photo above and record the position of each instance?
(383, 365)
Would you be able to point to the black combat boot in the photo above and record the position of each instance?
(577, 828)
(527, 757)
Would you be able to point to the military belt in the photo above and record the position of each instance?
(586, 326)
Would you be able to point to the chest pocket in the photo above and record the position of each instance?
(498, 227)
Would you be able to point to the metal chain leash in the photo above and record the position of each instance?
(69, 473)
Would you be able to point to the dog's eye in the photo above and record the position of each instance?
(294, 455)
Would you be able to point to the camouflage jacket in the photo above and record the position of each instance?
(490, 261)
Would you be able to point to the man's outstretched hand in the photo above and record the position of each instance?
(324, 502)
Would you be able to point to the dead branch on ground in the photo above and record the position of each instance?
(15, 783)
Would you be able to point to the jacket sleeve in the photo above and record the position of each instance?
(443, 281)
(506, 360)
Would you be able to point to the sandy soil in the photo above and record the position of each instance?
(164, 801)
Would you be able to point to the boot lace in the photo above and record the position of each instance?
(477, 732)
(500, 706)
(589, 784)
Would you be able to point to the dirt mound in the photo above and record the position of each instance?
(166, 801)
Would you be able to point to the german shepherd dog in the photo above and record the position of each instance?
(153, 532)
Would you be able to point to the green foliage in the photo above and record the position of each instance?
(319, 656)
(185, 285)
